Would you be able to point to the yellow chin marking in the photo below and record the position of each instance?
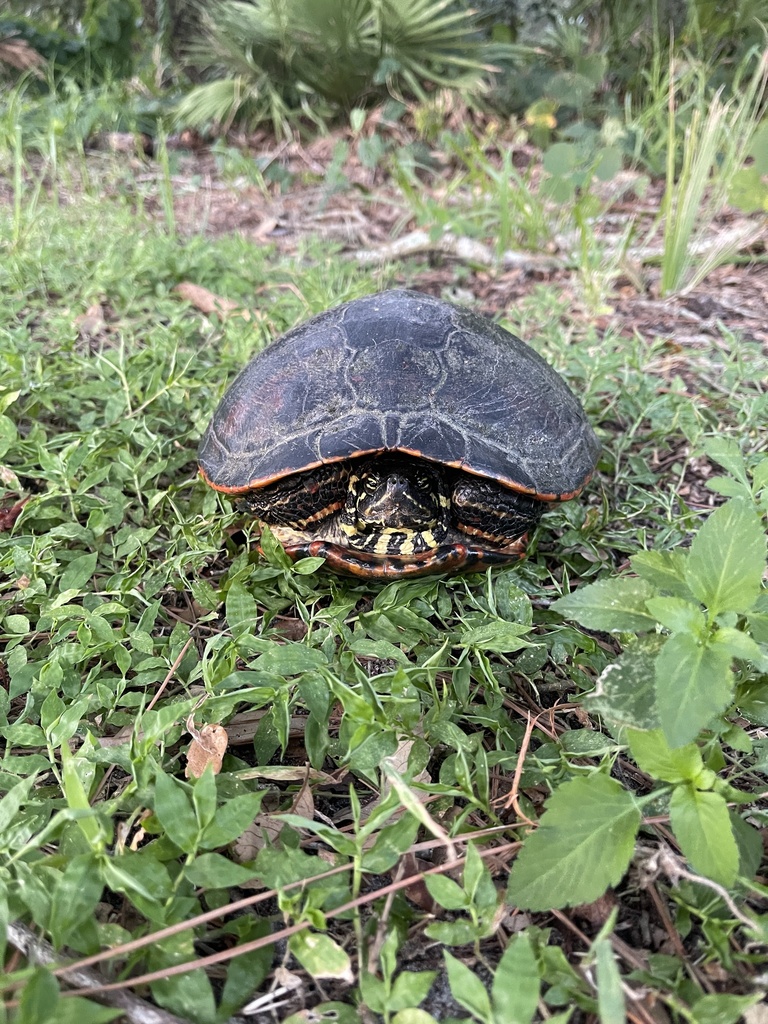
(413, 542)
(381, 547)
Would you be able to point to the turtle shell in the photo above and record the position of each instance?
(400, 371)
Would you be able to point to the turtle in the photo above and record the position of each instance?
(398, 435)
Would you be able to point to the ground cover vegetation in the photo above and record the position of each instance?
(235, 788)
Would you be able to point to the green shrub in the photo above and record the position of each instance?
(98, 46)
(268, 58)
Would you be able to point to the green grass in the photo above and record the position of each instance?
(715, 149)
(131, 600)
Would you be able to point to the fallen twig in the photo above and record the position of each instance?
(733, 239)
(38, 951)
(468, 250)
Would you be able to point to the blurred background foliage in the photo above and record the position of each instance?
(561, 67)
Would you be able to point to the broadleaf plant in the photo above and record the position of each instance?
(696, 596)
(701, 614)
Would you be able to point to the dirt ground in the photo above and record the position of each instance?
(367, 213)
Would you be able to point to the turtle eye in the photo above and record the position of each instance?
(371, 483)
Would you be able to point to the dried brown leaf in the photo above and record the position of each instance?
(208, 302)
(208, 746)
(8, 516)
(265, 829)
(92, 322)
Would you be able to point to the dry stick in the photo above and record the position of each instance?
(169, 675)
(137, 1010)
(182, 926)
(268, 940)
(674, 938)
(249, 901)
(513, 800)
(471, 251)
(468, 250)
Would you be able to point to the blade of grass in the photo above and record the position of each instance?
(715, 147)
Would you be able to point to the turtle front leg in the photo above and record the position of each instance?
(482, 508)
(301, 500)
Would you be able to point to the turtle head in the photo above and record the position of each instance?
(394, 503)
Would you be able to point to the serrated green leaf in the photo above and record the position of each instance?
(727, 559)
(583, 845)
(694, 682)
(664, 570)
(727, 453)
(655, 756)
(702, 827)
(739, 644)
(758, 621)
(612, 605)
(625, 694)
(677, 614)
(516, 984)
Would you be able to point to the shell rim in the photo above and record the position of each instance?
(260, 482)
